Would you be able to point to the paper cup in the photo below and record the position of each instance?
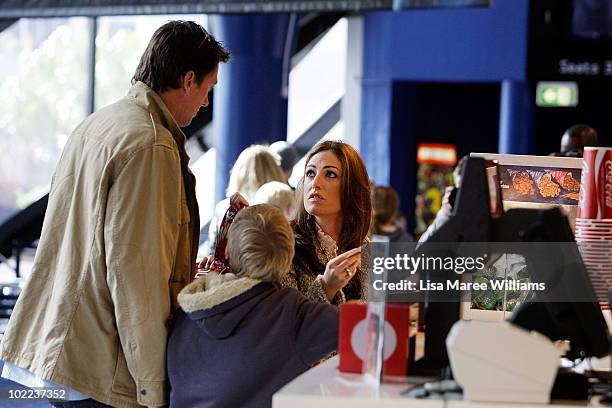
(596, 184)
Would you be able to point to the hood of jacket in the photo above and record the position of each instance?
(218, 303)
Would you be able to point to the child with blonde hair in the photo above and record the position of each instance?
(238, 337)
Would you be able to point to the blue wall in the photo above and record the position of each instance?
(466, 44)
(437, 45)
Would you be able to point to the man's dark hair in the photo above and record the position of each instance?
(176, 48)
(586, 134)
(576, 138)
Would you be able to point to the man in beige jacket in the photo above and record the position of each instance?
(119, 238)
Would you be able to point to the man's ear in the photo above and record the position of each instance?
(188, 81)
(226, 253)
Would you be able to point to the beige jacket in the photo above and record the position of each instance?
(117, 246)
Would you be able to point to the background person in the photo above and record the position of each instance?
(239, 338)
(254, 167)
(333, 216)
(446, 209)
(386, 204)
(576, 138)
(287, 155)
(279, 195)
(118, 241)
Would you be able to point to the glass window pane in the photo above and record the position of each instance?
(120, 42)
(310, 93)
(43, 66)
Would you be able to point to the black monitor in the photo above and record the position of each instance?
(579, 319)
(569, 309)
(581, 322)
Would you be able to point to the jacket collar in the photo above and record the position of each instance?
(213, 290)
(151, 99)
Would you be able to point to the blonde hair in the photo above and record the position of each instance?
(276, 193)
(260, 243)
(255, 166)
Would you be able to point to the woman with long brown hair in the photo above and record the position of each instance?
(333, 215)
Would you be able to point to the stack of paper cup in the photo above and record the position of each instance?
(594, 222)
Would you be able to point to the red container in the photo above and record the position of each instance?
(596, 184)
(352, 341)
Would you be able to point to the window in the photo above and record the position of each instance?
(120, 42)
(310, 93)
(44, 71)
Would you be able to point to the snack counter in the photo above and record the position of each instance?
(324, 386)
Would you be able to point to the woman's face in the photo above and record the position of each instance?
(322, 185)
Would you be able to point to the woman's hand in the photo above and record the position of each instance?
(237, 200)
(204, 265)
(339, 271)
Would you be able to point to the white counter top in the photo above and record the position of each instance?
(324, 386)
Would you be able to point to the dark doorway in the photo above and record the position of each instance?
(464, 114)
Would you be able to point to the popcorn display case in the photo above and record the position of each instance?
(538, 182)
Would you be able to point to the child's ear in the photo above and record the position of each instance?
(289, 212)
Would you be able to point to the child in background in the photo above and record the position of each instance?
(278, 194)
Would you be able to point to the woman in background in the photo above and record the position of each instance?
(333, 216)
(254, 167)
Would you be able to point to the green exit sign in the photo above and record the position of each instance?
(557, 94)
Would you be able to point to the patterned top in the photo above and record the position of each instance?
(328, 249)
(310, 285)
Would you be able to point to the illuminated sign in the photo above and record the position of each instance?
(557, 94)
(437, 153)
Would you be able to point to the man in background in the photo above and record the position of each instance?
(576, 138)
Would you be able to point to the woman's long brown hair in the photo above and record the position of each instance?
(356, 204)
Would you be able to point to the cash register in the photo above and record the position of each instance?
(568, 311)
